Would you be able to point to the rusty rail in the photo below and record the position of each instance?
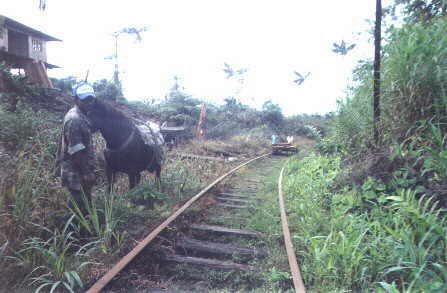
(101, 283)
(294, 268)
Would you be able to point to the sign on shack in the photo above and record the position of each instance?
(23, 47)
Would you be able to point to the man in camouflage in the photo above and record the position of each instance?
(76, 154)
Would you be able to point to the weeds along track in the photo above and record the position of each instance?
(225, 201)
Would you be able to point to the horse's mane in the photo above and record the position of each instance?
(107, 111)
(114, 125)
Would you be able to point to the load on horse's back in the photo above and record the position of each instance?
(131, 146)
(151, 134)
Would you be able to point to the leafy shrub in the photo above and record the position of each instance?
(64, 84)
(54, 264)
(224, 130)
(14, 83)
(105, 89)
(363, 238)
(17, 127)
(272, 115)
(414, 74)
(145, 194)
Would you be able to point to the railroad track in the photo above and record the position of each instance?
(197, 250)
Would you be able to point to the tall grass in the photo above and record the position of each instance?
(56, 260)
(414, 78)
(101, 223)
(17, 127)
(363, 239)
(29, 192)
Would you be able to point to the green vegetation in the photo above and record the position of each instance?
(366, 237)
(230, 119)
(48, 247)
(365, 215)
(370, 217)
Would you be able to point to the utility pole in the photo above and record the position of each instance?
(376, 90)
(116, 79)
(129, 30)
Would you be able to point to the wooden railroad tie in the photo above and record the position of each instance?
(209, 263)
(221, 229)
(239, 196)
(232, 206)
(189, 244)
(251, 188)
(162, 290)
(233, 200)
(227, 218)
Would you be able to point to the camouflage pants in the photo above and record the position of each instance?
(71, 177)
(72, 180)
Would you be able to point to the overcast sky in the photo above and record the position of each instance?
(192, 39)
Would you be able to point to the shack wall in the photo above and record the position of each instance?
(37, 49)
(18, 43)
(3, 38)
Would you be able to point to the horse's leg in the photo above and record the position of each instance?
(158, 176)
(131, 180)
(137, 178)
(134, 179)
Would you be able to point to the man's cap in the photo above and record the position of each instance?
(83, 90)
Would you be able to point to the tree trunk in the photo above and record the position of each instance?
(377, 39)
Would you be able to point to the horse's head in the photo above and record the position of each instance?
(102, 115)
(96, 118)
(114, 126)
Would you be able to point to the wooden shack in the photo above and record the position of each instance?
(23, 47)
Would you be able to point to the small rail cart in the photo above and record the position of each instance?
(283, 149)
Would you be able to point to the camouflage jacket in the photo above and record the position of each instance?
(75, 154)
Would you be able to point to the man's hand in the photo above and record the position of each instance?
(89, 179)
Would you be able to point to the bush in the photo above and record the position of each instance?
(64, 84)
(363, 238)
(17, 127)
(414, 75)
(105, 89)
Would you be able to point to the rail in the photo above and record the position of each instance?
(101, 283)
(294, 268)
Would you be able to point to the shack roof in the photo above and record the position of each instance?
(21, 28)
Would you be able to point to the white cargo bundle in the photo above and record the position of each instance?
(150, 132)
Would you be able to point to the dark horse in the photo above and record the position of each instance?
(126, 151)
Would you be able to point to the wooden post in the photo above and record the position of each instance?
(42, 70)
(202, 118)
(37, 72)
